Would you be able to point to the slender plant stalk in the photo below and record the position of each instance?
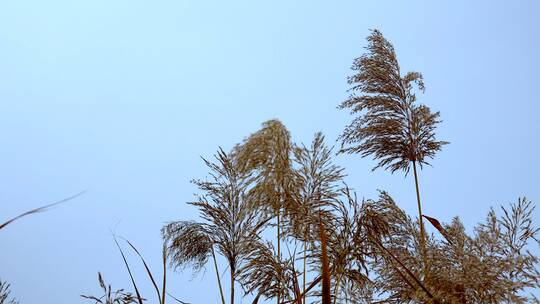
(421, 218)
(256, 300)
(164, 287)
(313, 283)
(147, 269)
(409, 272)
(139, 298)
(279, 251)
(296, 287)
(325, 271)
(337, 288)
(232, 286)
(304, 274)
(217, 276)
(401, 274)
(391, 126)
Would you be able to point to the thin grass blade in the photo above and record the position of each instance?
(164, 287)
(139, 298)
(176, 299)
(147, 270)
(40, 209)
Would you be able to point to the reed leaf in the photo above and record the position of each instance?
(159, 297)
(439, 227)
(40, 209)
(138, 294)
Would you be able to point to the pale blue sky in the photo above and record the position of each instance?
(123, 97)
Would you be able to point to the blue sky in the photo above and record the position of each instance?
(121, 98)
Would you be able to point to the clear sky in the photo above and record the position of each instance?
(123, 97)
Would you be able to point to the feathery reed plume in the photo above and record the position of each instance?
(229, 221)
(346, 250)
(495, 265)
(109, 296)
(390, 125)
(189, 243)
(266, 275)
(267, 154)
(379, 227)
(317, 187)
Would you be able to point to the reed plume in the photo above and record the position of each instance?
(268, 276)
(494, 265)
(390, 125)
(230, 224)
(265, 154)
(317, 186)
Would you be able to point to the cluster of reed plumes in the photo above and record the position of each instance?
(373, 249)
(329, 247)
